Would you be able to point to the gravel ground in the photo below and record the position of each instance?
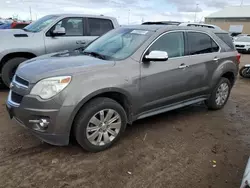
(174, 149)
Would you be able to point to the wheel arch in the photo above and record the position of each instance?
(119, 95)
(230, 76)
(12, 55)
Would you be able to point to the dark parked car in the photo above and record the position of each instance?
(127, 74)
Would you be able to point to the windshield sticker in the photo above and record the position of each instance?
(139, 32)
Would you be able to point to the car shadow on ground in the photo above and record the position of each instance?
(139, 128)
(3, 88)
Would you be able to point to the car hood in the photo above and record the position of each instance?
(58, 64)
(14, 38)
(14, 33)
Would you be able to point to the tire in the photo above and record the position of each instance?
(89, 139)
(9, 69)
(243, 72)
(211, 102)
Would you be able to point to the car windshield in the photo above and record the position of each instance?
(40, 24)
(118, 44)
(243, 39)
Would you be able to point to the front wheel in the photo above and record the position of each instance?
(219, 95)
(100, 124)
(9, 69)
(245, 72)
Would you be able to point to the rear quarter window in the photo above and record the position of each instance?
(226, 39)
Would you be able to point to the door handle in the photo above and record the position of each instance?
(80, 42)
(216, 59)
(183, 66)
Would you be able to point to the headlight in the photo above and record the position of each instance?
(49, 87)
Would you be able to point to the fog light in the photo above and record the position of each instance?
(44, 123)
(40, 124)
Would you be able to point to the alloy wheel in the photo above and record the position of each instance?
(103, 127)
(222, 94)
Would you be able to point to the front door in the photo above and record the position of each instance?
(73, 39)
(166, 82)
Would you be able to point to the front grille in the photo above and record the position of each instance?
(21, 81)
(16, 97)
(241, 46)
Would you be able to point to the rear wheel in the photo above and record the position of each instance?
(9, 69)
(100, 124)
(219, 95)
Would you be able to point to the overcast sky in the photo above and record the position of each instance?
(147, 10)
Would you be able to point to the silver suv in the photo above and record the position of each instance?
(127, 74)
(52, 33)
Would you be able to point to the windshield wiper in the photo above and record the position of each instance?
(95, 54)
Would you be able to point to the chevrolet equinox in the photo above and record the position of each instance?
(127, 74)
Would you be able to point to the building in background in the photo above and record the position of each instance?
(235, 19)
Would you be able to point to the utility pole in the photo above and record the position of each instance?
(30, 14)
(128, 15)
(142, 20)
(241, 3)
(196, 9)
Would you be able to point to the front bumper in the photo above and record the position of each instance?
(32, 109)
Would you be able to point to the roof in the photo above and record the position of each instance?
(232, 12)
(81, 15)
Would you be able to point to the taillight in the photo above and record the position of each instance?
(238, 57)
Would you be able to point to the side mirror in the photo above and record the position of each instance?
(58, 31)
(157, 56)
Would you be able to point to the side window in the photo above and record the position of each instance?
(73, 26)
(98, 27)
(201, 43)
(172, 43)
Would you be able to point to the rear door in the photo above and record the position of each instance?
(204, 57)
(97, 27)
(74, 38)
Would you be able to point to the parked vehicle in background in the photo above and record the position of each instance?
(13, 24)
(49, 34)
(242, 44)
(19, 25)
(127, 74)
(240, 35)
(245, 71)
(181, 24)
(5, 24)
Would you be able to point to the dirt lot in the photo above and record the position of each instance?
(172, 150)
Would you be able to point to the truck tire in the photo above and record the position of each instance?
(9, 69)
(220, 95)
(93, 128)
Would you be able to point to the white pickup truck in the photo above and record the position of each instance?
(49, 34)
